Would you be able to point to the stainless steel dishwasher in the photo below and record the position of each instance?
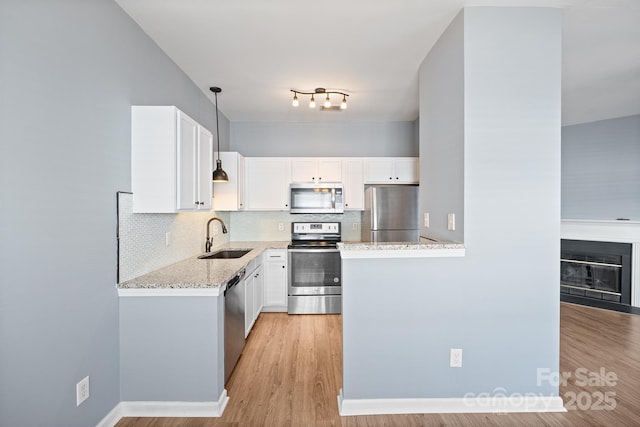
(233, 322)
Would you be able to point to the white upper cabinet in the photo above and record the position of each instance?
(171, 162)
(392, 170)
(267, 185)
(229, 196)
(316, 170)
(353, 184)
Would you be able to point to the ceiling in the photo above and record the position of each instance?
(258, 50)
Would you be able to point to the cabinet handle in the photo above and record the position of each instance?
(397, 177)
(313, 178)
(390, 178)
(319, 178)
(283, 266)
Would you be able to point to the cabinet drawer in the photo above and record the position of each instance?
(275, 255)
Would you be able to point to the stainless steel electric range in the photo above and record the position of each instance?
(315, 268)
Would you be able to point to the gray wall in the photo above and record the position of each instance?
(285, 139)
(70, 71)
(442, 135)
(172, 348)
(601, 169)
(503, 313)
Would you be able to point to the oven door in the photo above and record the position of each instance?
(315, 272)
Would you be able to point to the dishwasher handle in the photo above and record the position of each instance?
(235, 280)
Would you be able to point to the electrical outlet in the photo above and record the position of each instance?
(451, 222)
(426, 219)
(355, 226)
(455, 358)
(281, 226)
(82, 390)
(167, 238)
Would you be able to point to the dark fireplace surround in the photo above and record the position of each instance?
(596, 274)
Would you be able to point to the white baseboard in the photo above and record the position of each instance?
(275, 309)
(165, 409)
(348, 407)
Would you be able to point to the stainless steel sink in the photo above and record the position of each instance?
(226, 254)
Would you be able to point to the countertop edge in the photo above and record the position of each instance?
(423, 249)
(171, 292)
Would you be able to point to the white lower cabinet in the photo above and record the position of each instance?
(253, 284)
(275, 280)
(258, 291)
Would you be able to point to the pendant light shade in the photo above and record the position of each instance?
(219, 175)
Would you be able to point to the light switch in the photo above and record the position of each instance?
(426, 219)
(451, 222)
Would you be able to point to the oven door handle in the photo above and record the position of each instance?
(314, 250)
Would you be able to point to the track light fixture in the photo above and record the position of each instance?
(320, 91)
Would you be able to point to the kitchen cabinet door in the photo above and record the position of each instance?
(204, 185)
(407, 170)
(258, 292)
(316, 170)
(304, 170)
(329, 170)
(275, 280)
(229, 196)
(247, 282)
(353, 183)
(391, 170)
(171, 161)
(267, 186)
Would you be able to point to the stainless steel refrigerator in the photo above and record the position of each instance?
(390, 214)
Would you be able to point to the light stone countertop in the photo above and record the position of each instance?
(194, 273)
(425, 248)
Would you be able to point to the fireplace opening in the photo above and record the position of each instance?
(595, 273)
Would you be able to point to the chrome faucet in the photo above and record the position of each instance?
(209, 242)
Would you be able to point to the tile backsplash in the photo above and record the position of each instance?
(276, 225)
(143, 237)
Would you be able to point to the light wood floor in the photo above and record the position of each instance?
(291, 368)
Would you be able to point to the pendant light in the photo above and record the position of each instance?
(219, 175)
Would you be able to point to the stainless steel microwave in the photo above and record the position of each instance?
(325, 197)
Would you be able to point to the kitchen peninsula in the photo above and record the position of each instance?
(384, 300)
(172, 334)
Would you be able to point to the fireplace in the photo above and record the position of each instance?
(596, 273)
